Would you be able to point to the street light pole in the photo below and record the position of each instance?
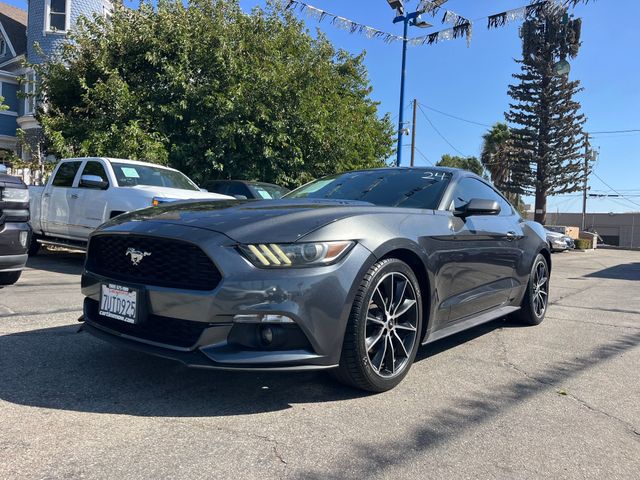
(406, 19)
(403, 75)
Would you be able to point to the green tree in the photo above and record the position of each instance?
(466, 163)
(215, 92)
(546, 126)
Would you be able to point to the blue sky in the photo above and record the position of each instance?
(472, 82)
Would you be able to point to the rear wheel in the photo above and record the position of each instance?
(9, 278)
(536, 299)
(383, 332)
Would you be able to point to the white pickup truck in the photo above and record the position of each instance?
(83, 193)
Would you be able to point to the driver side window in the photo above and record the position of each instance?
(469, 188)
(97, 169)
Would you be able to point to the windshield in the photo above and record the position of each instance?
(130, 175)
(268, 192)
(409, 188)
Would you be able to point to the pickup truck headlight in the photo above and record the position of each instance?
(17, 195)
(292, 255)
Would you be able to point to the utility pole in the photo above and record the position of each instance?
(585, 187)
(413, 133)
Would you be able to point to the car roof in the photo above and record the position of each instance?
(122, 160)
(246, 182)
(4, 178)
(454, 171)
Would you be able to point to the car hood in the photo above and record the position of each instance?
(554, 235)
(259, 221)
(179, 194)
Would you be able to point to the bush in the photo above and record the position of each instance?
(583, 244)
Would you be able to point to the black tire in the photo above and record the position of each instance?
(532, 312)
(9, 278)
(387, 326)
(34, 246)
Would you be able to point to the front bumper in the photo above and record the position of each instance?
(13, 251)
(318, 300)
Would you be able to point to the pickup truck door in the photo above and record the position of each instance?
(59, 198)
(92, 202)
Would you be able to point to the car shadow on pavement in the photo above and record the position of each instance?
(627, 271)
(65, 369)
(60, 368)
(470, 410)
(57, 261)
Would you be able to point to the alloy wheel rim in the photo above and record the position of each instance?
(391, 326)
(540, 289)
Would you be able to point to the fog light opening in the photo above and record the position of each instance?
(266, 335)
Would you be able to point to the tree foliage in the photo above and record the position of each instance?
(546, 124)
(465, 163)
(213, 91)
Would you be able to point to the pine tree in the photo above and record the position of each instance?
(546, 124)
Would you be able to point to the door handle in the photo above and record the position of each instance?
(74, 195)
(46, 195)
(511, 236)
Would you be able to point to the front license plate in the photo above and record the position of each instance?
(119, 302)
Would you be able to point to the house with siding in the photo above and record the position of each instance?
(29, 37)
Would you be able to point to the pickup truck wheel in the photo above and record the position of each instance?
(9, 278)
(34, 246)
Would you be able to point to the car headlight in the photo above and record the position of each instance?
(287, 255)
(18, 195)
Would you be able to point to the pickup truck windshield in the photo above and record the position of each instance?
(131, 175)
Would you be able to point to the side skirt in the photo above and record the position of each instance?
(470, 323)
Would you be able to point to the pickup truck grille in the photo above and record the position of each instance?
(167, 263)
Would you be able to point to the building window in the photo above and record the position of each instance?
(57, 16)
(30, 93)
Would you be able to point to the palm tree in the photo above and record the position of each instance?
(494, 155)
(495, 158)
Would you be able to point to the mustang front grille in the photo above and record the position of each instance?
(155, 261)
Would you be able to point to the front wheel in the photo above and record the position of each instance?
(536, 298)
(383, 331)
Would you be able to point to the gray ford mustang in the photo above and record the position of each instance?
(352, 272)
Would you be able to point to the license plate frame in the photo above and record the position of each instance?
(120, 302)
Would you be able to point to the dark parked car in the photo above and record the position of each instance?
(242, 189)
(15, 232)
(351, 272)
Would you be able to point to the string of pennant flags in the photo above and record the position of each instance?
(462, 27)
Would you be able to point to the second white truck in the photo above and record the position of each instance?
(83, 193)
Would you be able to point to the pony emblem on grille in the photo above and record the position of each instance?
(136, 256)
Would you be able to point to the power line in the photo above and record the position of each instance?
(438, 132)
(616, 131)
(473, 122)
(424, 156)
(456, 117)
(614, 190)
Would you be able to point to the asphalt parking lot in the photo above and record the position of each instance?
(561, 400)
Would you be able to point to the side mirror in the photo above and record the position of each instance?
(479, 206)
(204, 190)
(93, 181)
(240, 197)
